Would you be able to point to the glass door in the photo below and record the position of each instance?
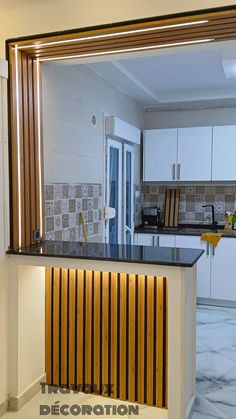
(120, 195)
(114, 190)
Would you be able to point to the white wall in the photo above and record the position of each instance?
(73, 146)
(3, 236)
(27, 17)
(190, 118)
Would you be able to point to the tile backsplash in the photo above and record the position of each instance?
(63, 205)
(192, 197)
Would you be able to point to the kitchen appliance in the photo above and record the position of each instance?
(151, 216)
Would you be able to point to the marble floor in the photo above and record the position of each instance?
(216, 363)
(216, 373)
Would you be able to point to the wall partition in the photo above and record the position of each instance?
(25, 56)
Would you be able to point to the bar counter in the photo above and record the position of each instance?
(117, 317)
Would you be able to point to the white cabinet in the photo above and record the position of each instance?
(223, 155)
(159, 154)
(203, 264)
(223, 276)
(162, 240)
(194, 154)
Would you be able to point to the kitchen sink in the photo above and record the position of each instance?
(196, 230)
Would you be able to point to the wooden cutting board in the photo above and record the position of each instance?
(172, 207)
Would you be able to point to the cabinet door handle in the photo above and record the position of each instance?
(173, 171)
(153, 240)
(213, 250)
(158, 241)
(178, 171)
(208, 248)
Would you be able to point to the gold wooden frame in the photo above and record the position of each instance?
(25, 56)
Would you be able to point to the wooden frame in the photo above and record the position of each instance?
(25, 56)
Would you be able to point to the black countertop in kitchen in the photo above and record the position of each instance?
(170, 256)
(185, 230)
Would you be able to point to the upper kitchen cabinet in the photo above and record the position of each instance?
(223, 156)
(159, 154)
(194, 154)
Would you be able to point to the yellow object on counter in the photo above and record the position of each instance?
(212, 238)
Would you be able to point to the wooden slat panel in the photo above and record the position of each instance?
(105, 330)
(97, 330)
(56, 324)
(80, 328)
(32, 151)
(115, 325)
(64, 326)
(26, 168)
(123, 338)
(159, 343)
(48, 324)
(114, 340)
(141, 337)
(132, 336)
(14, 154)
(150, 339)
(88, 329)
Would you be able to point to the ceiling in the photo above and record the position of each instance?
(196, 77)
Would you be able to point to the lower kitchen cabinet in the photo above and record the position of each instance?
(203, 265)
(163, 240)
(223, 277)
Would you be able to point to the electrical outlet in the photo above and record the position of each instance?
(37, 235)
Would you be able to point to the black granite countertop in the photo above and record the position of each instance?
(111, 252)
(185, 230)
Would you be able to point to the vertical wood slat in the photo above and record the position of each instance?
(141, 338)
(97, 329)
(132, 337)
(72, 289)
(80, 328)
(150, 338)
(56, 324)
(88, 329)
(123, 326)
(114, 340)
(48, 324)
(64, 323)
(107, 329)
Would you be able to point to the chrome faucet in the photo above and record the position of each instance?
(213, 222)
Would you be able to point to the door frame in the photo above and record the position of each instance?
(111, 143)
(25, 56)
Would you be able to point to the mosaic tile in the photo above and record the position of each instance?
(79, 205)
(49, 193)
(65, 191)
(65, 206)
(57, 207)
(65, 221)
(78, 191)
(72, 205)
(90, 191)
(58, 235)
(57, 192)
(84, 204)
(90, 204)
(58, 222)
(49, 224)
(72, 191)
(72, 220)
(49, 208)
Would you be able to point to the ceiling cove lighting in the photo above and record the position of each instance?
(109, 35)
(18, 147)
(95, 54)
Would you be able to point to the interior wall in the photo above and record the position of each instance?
(3, 240)
(73, 146)
(27, 17)
(190, 118)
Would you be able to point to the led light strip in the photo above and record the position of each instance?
(109, 35)
(39, 151)
(95, 54)
(18, 148)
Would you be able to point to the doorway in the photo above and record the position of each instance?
(119, 191)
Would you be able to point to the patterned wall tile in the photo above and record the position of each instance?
(192, 198)
(63, 205)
